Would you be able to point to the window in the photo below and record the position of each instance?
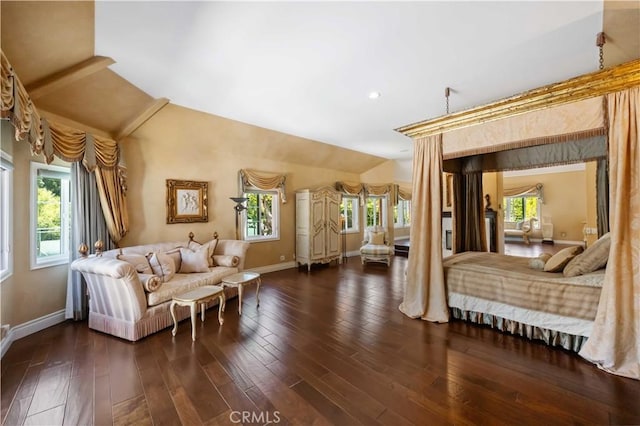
(50, 215)
(6, 217)
(377, 211)
(402, 214)
(262, 215)
(521, 208)
(349, 212)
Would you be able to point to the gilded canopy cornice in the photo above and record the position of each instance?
(590, 85)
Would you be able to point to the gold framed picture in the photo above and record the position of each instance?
(448, 191)
(187, 201)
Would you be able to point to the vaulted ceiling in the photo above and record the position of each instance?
(301, 68)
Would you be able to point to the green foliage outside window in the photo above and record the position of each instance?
(520, 208)
(259, 214)
(49, 208)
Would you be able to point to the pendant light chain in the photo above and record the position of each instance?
(447, 91)
(600, 41)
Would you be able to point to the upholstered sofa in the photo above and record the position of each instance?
(128, 300)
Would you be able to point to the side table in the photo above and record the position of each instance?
(200, 295)
(241, 279)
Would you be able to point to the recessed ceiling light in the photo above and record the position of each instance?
(374, 95)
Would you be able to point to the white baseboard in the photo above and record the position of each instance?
(273, 268)
(30, 327)
(288, 265)
(6, 343)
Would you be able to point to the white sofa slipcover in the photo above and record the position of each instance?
(118, 303)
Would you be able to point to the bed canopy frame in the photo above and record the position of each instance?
(593, 116)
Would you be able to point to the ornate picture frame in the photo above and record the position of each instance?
(448, 192)
(187, 201)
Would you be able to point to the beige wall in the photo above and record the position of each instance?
(565, 196)
(27, 295)
(179, 143)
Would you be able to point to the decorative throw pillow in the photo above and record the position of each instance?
(211, 247)
(559, 260)
(139, 262)
(194, 261)
(377, 238)
(594, 257)
(538, 263)
(175, 255)
(162, 265)
(226, 260)
(150, 282)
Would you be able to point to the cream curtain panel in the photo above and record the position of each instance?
(424, 294)
(263, 180)
(52, 139)
(614, 344)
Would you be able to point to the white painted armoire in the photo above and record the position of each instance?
(318, 226)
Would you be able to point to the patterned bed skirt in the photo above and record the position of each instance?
(550, 337)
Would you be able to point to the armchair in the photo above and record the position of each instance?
(376, 247)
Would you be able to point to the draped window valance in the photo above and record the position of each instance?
(98, 154)
(404, 194)
(262, 180)
(354, 189)
(523, 191)
(364, 190)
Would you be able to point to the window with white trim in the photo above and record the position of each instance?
(376, 211)
(522, 208)
(50, 215)
(402, 214)
(262, 216)
(350, 212)
(6, 215)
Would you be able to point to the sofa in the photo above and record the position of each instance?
(519, 230)
(129, 298)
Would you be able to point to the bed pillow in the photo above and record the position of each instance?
(194, 261)
(559, 260)
(594, 257)
(139, 262)
(538, 263)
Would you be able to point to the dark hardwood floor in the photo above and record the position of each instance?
(325, 347)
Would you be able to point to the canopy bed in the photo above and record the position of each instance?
(592, 117)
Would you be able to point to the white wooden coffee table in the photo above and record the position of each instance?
(239, 280)
(200, 295)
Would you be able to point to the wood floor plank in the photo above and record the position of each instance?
(103, 414)
(158, 397)
(324, 405)
(52, 388)
(133, 411)
(10, 383)
(52, 416)
(79, 406)
(126, 385)
(201, 392)
(18, 412)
